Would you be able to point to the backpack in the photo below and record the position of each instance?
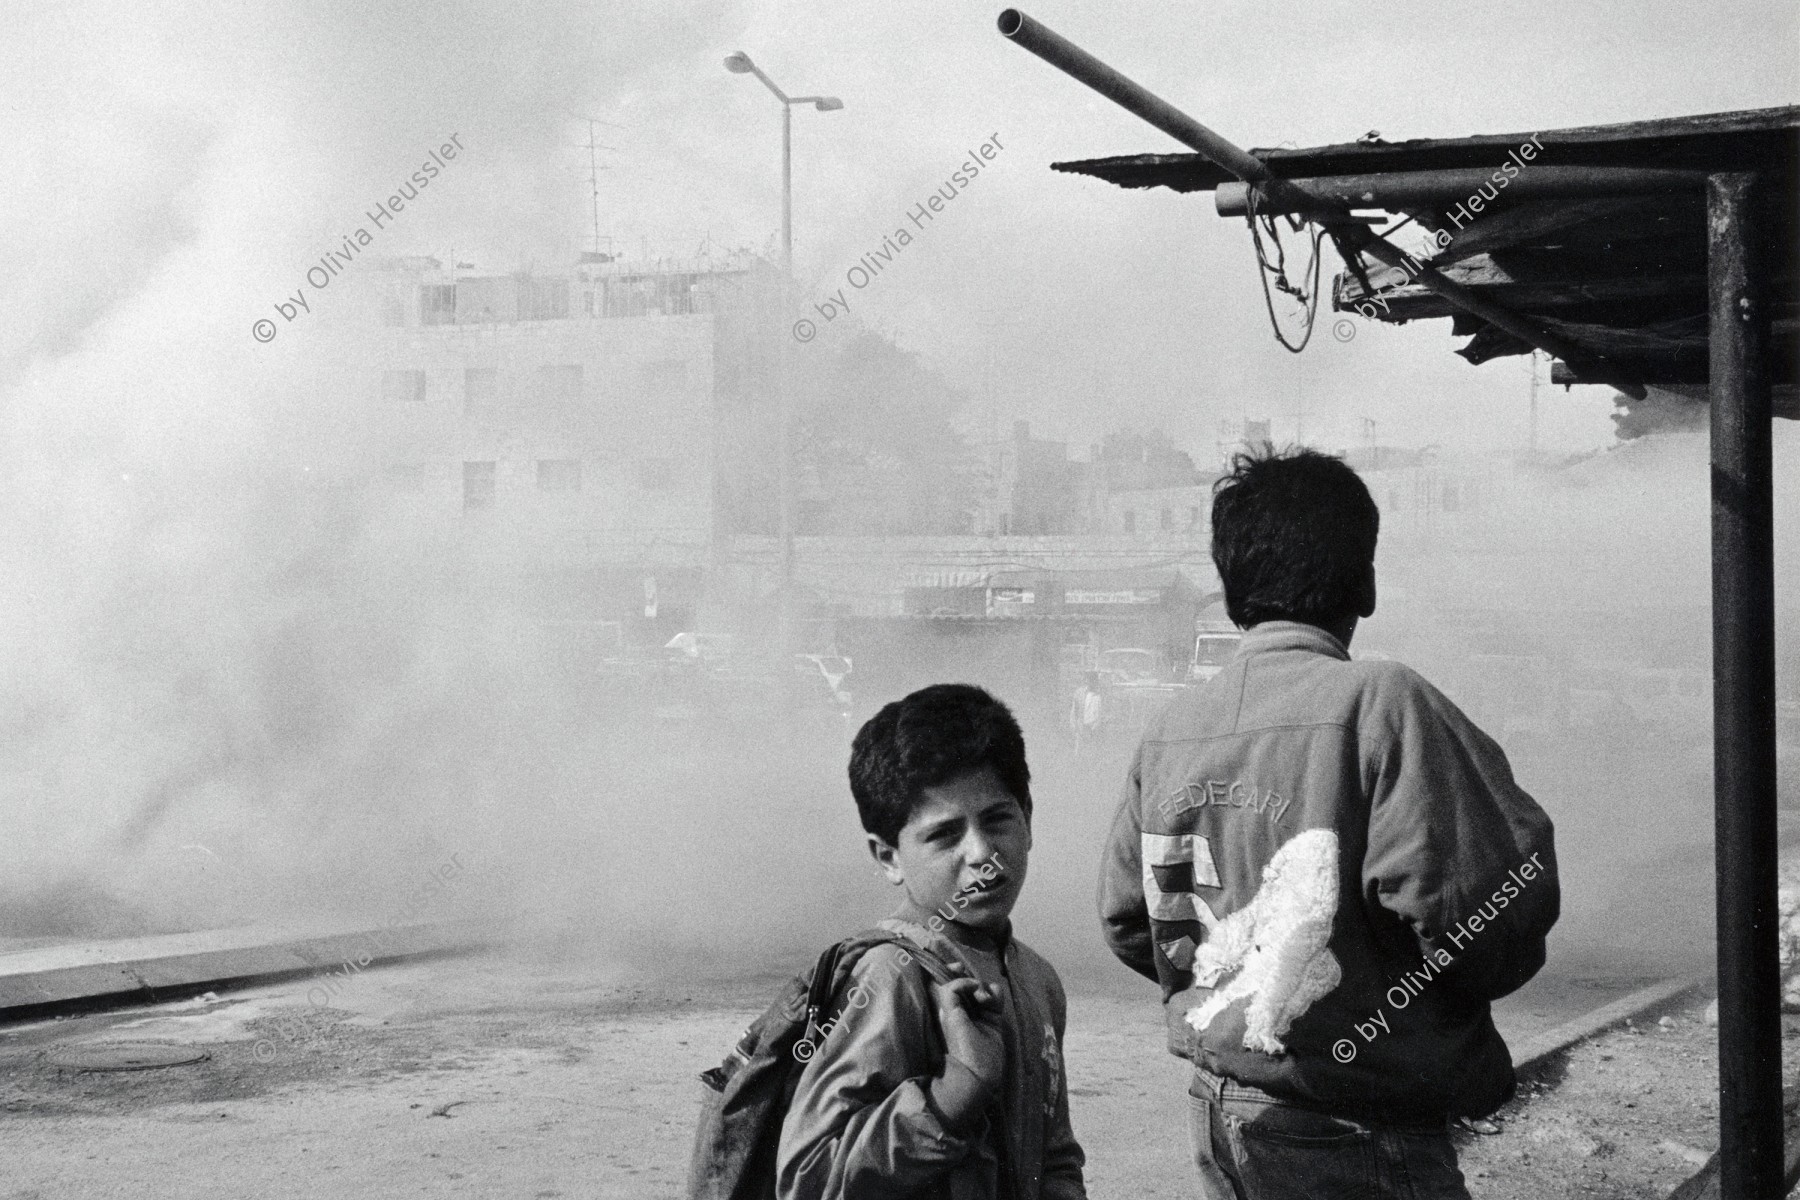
(747, 1096)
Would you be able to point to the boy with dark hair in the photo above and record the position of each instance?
(1327, 868)
(923, 1089)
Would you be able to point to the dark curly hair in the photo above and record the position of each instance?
(1293, 537)
(929, 738)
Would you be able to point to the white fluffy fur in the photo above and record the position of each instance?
(1788, 935)
(1276, 944)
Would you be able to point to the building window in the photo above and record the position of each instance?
(481, 387)
(656, 474)
(643, 295)
(406, 477)
(437, 304)
(478, 485)
(1130, 521)
(559, 474)
(404, 386)
(560, 384)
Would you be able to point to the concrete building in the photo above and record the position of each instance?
(560, 428)
(599, 445)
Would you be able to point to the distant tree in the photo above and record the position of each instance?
(875, 444)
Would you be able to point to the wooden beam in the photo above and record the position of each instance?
(1662, 353)
(1611, 222)
(1398, 297)
(1666, 358)
(1784, 398)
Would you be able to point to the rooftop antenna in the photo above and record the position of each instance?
(594, 168)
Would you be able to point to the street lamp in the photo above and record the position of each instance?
(739, 63)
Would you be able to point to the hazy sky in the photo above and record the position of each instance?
(175, 168)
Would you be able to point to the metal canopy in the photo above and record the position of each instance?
(1600, 239)
(1758, 138)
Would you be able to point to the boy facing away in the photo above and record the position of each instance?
(951, 1090)
(1328, 869)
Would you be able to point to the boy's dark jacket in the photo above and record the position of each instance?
(863, 1124)
(742, 1112)
(1445, 880)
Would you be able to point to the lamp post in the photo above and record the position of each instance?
(739, 64)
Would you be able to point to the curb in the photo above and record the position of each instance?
(47, 979)
(1535, 1050)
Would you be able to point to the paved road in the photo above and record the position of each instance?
(510, 1074)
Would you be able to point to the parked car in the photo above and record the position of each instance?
(1213, 648)
(1129, 665)
(698, 647)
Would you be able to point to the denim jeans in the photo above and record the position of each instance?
(1249, 1145)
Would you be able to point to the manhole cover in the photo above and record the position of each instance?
(125, 1056)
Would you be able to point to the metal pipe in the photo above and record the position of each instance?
(1402, 189)
(1743, 599)
(1071, 59)
(1352, 234)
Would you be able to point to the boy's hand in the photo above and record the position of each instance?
(969, 1013)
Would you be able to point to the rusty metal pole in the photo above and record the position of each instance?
(1743, 573)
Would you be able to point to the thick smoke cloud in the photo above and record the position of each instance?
(227, 694)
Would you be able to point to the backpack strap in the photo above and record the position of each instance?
(820, 990)
(932, 962)
(839, 958)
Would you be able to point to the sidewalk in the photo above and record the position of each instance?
(144, 968)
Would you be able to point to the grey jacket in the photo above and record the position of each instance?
(863, 1124)
(1331, 872)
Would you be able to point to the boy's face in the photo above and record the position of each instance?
(962, 856)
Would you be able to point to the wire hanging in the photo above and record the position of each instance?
(1307, 294)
